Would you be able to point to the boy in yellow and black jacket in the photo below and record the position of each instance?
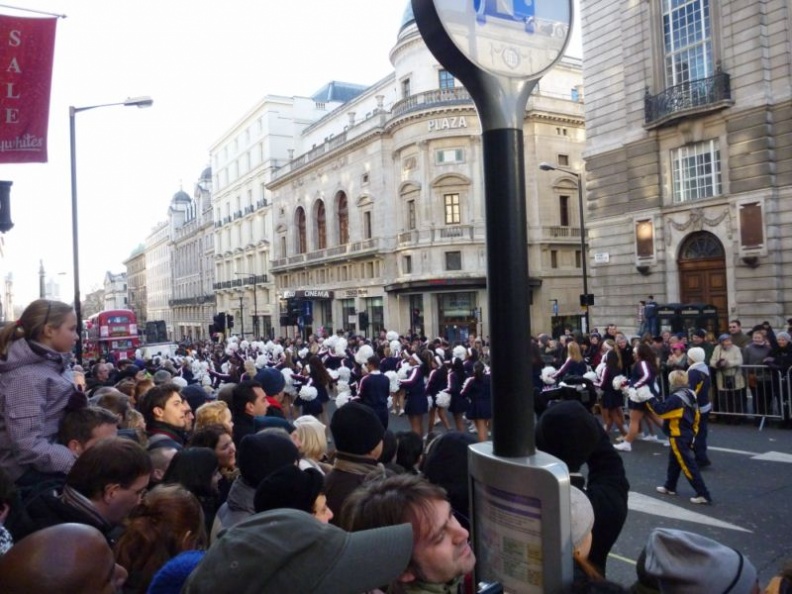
(680, 414)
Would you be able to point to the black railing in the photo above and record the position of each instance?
(676, 101)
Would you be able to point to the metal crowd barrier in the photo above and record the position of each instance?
(752, 391)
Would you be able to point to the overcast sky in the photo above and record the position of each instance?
(205, 63)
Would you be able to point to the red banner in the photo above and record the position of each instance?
(27, 47)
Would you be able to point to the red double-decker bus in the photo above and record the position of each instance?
(111, 333)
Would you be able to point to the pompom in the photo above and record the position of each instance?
(341, 399)
(390, 402)
(641, 394)
(364, 352)
(619, 382)
(244, 345)
(261, 361)
(429, 400)
(395, 347)
(547, 373)
(308, 393)
(333, 373)
(459, 352)
(394, 381)
(289, 386)
(403, 371)
(340, 347)
(303, 353)
(392, 335)
(443, 399)
(330, 342)
(344, 373)
(590, 375)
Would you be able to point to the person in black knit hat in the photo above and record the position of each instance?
(569, 432)
(357, 433)
(292, 487)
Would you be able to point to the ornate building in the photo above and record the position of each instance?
(136, 284)
(192, 265)
(689, 156)
(158, 277)
(378, 213)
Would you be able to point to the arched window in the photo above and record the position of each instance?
(342, 210)
(321, 226)
(701, 246)
(299, 220)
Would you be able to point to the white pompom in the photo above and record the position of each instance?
(333, 373)
(394, 381)
(303, 353)
(547, 373)
(341, 399)
(289, 386)
(392, 335)
(308, 393)
(244, 345)
(344, 373)
(429, 401)
(364, 352)
(261, 361)
(443, 399)
(340, 347)
(395, 347)
(459, 352)
(619, 382)
(590, 375)
(403, 371)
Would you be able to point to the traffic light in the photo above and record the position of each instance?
(220, 322)
(229, 321)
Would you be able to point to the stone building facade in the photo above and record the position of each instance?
(136, 284)
(159, 279)
(379, 213)
(192, 260)
(689, 156)
(116, 295)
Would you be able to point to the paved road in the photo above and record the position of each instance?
(751, 484)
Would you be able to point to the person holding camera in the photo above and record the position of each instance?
(727, 360)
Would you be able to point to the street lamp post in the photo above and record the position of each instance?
(256, 335)
(132, 101)
(585, 299)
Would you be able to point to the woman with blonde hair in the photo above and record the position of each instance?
(214, 413)
(312, 443)
(167, 522)
(36, 389)
(574, 364)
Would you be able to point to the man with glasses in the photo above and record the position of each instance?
(106, 482)
(739, 338)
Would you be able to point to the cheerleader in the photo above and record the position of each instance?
(456, 377)
(416, 404)
(612, 398)
(438, 379)
(644, 374)
(477, 391)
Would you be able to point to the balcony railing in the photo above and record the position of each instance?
(435, 98)
(689, 97)
(559, 231)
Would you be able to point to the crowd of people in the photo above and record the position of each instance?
(221, 469)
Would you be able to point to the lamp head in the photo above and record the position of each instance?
(143, 101)
(546, 167)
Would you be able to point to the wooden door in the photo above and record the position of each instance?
(702, 274)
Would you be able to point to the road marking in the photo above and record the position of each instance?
(656, 507)
(774, 457)
(620, 558)
(766, 457)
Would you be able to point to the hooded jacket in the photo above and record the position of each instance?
(35, 389)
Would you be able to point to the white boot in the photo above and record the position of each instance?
(624, 446)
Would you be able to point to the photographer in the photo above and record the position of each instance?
(727, 360)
